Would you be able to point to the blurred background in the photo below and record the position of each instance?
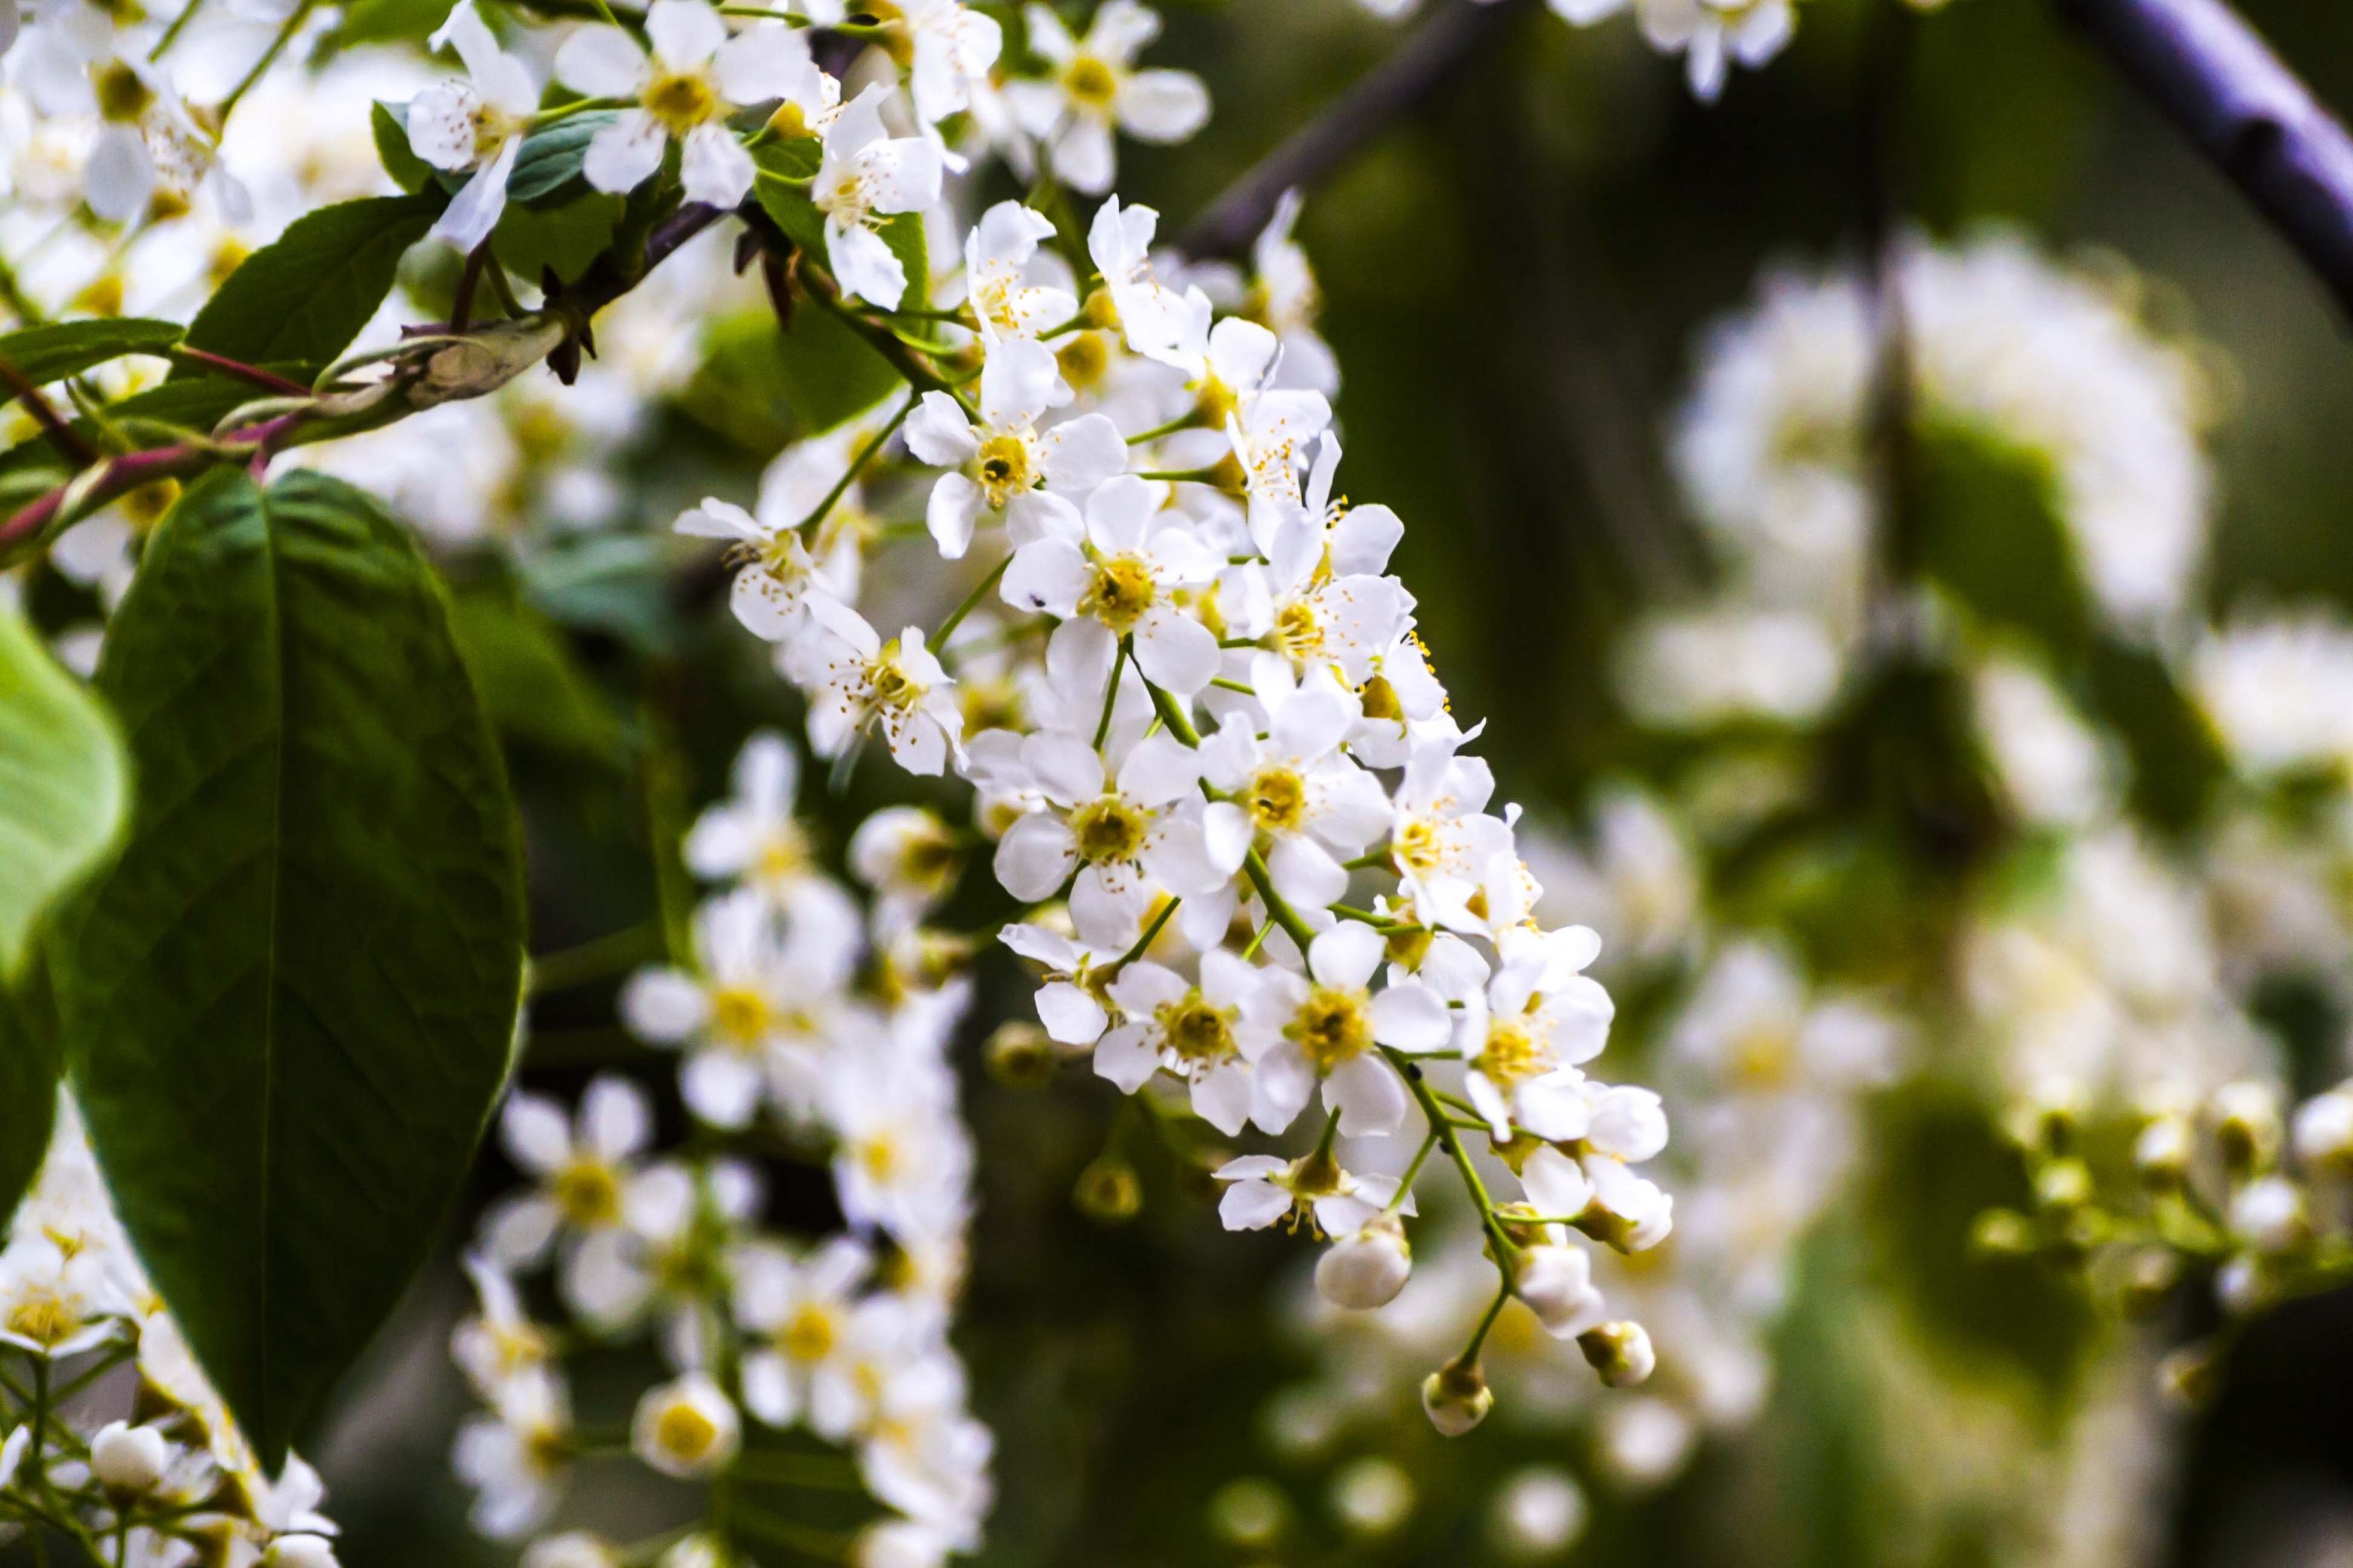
(1516, 282)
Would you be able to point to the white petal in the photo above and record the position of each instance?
(1252, 1206)
(716, 168)
(1162, 105)
(535, 1133)
(1035, 857)
(865, 265)
(616, 1121)
(1411, 1018)
(1072, 1017)
(624, 154)
(1082, 453)
(1126, 1056)
(938, 433)
(476, 210)
(1370, 1101)
(603, 62)
(948, 516)
(1175, 652)
(685, 33)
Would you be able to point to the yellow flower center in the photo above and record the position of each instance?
(1417, 848)
(1380, 699)
(1108, 829)
(1514, 1053)
(685, 1432)
(1090, 82)
(1297, 631)
(122, 97)
(807, 1335)
(1763, 1055)
(879, 1157)
(44, 1317)
(588, 1193)
(1213, 401)
(1197, 1031)
(740, 1017)
(892, 687)
(1002, 469)
(681, 100)
(1331, 1027)
(1084, 361)
(783, 857)
(1123, 590)
(1277, 800)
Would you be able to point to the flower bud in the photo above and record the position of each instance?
(1456, 1397)
(1022, 1055)
(573, 1549)
(2063, 1184)
(1367, 1269)
(2191, 1376)
(1372, 1497)
(1556, 1282)
(1620, 1351)
(2246, 1124)
(2001, 1233)
(2324, 1130)
(300, 1551)
(2150, 1275)
(1629, 1124)
(1108, 1191)
(2269, 1213)
(2161, 1152)
(127, 1458)
(1538, 1514)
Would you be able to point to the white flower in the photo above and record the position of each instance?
(752, 838)
(1709, 33)
(901, 1160)
(53, 1303)
(1123, 567)
(1095, 90)
(923, 1454)
(502, 1343)
(583, 1170)
(997, 257)
(684, 89)
(910, 859)
(476, 124)
(2323, 1129)
(999, 463)
(1292, 792)
(1189, 1030)
(1288, 301)
(856, 681)
(1526, 1035)
(1324, 1029)
(573, 1549)
(801, 1308)
(954, 47)
(518, 1458)
(1302, 602)
(148, 153)
(127, 1458)
(1071, 1003)
(1131, 835)
(1158, 321)
(2276, 688)
(1271, 432)
(686, 1428)
(1265, 1189)
(865, 176)
(775, 574)
(1441, 841)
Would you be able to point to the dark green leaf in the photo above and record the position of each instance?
(305, 296)
(47, 354)
(550, 159)
(389, 124)
(28, 1087)
(617, 584)
(567, 238)
(534, 690)
(386, 22)
(288, 1007)
(62, 784)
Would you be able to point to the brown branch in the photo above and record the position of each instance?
(1399, 84)
(62, 436)
(2223, 88)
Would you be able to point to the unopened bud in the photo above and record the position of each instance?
(1367, 1269)
(1456, 1397)
(300, 1551)
(2324, 1130)
(2191, 1376)
(2161, 1153)
(1556, 1282)
(1620, 1351)
(2246, 1125)
(2149, 1277)
(127, 1458)
(2063, 1184)
(1022, 1055)
(2001, 1233)
(1108, 1191)
(2269, 1213)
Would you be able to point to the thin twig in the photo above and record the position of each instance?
(1399, 84)
(2223, 88)
(62, 436)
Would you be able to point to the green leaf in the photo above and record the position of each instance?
(614, 583)
(28, 1087)
(550, 158)
(288, 1007)
(305, 296)
(386, 22)
(388, 122)
(47, 354)
(62, 784)
(534, 690)
(567, 238)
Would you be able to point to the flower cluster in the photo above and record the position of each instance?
(110, 1432)
(801, 1016)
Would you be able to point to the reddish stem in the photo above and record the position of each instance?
(127, 473)
(269, 381)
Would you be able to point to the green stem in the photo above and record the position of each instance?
(1495, 1309)
(1441, 1127)
(285, 35)
(971, 602)
(1412, 1171)
(597, 960)
(807, 526)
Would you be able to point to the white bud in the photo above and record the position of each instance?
(127, 1458)
(2241, 1289)
(300, 1551)
(1556, 1282)
(2247, 1123)
(1627, 1212)
(686, 1428)
(899, 1544)
(1456, 1397)
(2270, 1213)
(1620, 1351)
(2162, 1150)
(1367, 1269)
(2324, 1128)
(1372, 1497)
(573, 1549)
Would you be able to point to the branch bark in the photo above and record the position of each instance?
(1399, 84)
(2222, 85)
